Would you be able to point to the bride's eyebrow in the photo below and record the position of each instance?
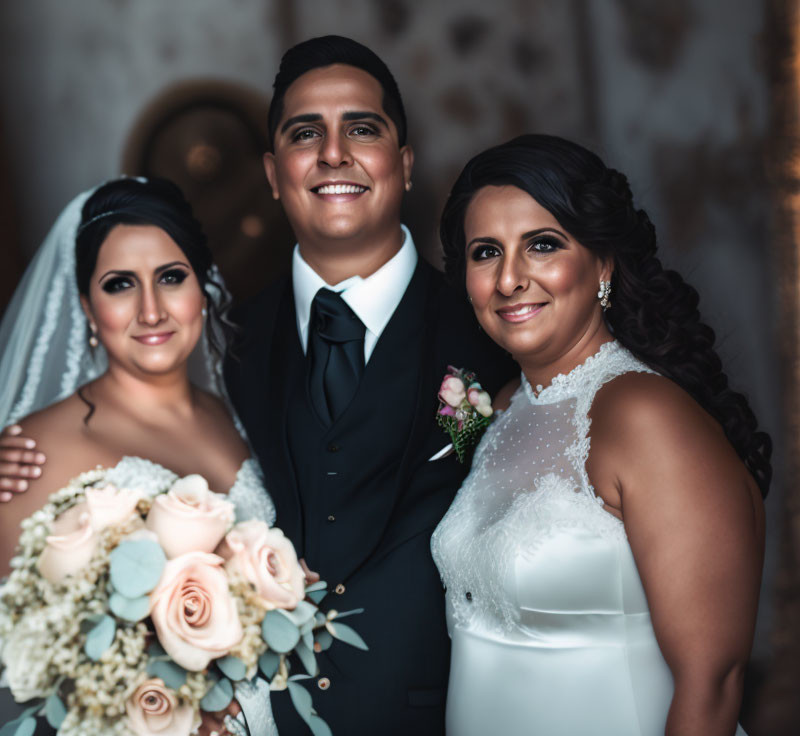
(115, 272)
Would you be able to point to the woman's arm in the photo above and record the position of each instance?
(695, 522)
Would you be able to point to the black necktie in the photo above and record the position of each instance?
(336, 354)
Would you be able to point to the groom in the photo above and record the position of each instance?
(335, 380)
(336, 383)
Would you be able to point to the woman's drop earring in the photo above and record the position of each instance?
(409, 186)
(93, 341)
(604, 294)
(204, 312)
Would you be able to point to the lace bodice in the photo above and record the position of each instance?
(528, 480)
(247, 492)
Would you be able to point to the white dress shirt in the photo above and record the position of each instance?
(373, 299)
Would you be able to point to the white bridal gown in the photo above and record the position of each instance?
(551, 633)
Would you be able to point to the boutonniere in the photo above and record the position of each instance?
(465, 410)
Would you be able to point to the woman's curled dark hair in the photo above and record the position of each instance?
(655, 312)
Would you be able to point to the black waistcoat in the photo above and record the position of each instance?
(343, 470)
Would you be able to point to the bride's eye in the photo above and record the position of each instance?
(484, 251)
(173, 277)
(544, 245)
(116, 284)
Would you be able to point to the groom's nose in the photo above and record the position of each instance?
(334, 150)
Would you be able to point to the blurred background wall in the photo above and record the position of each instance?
(687, 97)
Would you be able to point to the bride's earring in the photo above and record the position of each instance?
(204, 312)
(93, 341)
(604, 294)
(409, 185)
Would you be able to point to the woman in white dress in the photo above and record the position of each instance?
(120, 296)
(602, 560)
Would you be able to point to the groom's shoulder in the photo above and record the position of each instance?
(253, 311)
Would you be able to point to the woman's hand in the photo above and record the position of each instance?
(215, 722)
(19, 460)
(695, 522)
(311, 576)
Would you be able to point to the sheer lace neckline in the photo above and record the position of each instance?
(565, 385)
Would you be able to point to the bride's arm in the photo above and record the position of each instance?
(695, 522)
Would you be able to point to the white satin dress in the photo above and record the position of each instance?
(551, 632)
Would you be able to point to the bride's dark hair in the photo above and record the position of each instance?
(654, 312)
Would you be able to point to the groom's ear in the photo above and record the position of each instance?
(269, 168)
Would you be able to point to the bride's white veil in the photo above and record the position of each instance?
(44, 349)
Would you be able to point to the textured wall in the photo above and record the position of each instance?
(674, 94)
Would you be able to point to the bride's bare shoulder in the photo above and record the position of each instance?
(51, 422)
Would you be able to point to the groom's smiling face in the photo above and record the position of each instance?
(337, 166)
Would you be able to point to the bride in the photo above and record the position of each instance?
(602, 560)
(109, 323)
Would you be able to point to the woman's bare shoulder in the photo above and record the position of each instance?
(52, 421)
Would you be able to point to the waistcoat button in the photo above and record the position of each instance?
(339, 589)
(331, 517)
(323, 683)
(333, 447)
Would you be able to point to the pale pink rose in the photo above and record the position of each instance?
(189, 517)
(153, 710)
(267, 559)
(70, 546)
(481, 401)
(193, 611)
(111, 506)
(452, 391)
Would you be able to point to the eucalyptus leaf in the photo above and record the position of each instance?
(324, 639)
(129, 609)
(343, 614)
(307, 637)
(136, 566)
(10, 728)
(297, 678)
(319, 585)
(302, 613)
(317, 595)
(100, 638)
(268, 663)
(156, 650)
(173, 675)
(344, 633)
(232, 667)
(218, 697)
(22, 726)
(55, 711)
(318, 726)
(88, 623)
(301, 699)
(279, 631)
(306, 656)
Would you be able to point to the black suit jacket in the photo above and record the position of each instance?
(384, 563)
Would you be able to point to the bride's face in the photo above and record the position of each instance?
(145, 301)
(532, 285)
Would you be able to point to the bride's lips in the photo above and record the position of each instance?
(339, 191)
(154, 338)
(521, 312)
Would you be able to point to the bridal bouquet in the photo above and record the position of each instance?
(130, 612)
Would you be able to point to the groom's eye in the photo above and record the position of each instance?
(114, 285)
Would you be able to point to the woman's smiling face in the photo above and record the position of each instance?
(533, 287)
(145, 301)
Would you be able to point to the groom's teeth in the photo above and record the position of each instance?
(341, 189)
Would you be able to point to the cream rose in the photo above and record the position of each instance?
(110, 506)
(480, 400)
(189, 517)
(193, 611)
(70, 545)
(153, 710)
(452, 391)
(267, 559)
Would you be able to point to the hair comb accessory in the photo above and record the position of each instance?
(96, 218)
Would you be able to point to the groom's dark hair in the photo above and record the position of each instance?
(326, 51)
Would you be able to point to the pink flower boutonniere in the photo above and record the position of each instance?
(465, 410)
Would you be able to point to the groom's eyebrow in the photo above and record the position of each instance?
(310, 117)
